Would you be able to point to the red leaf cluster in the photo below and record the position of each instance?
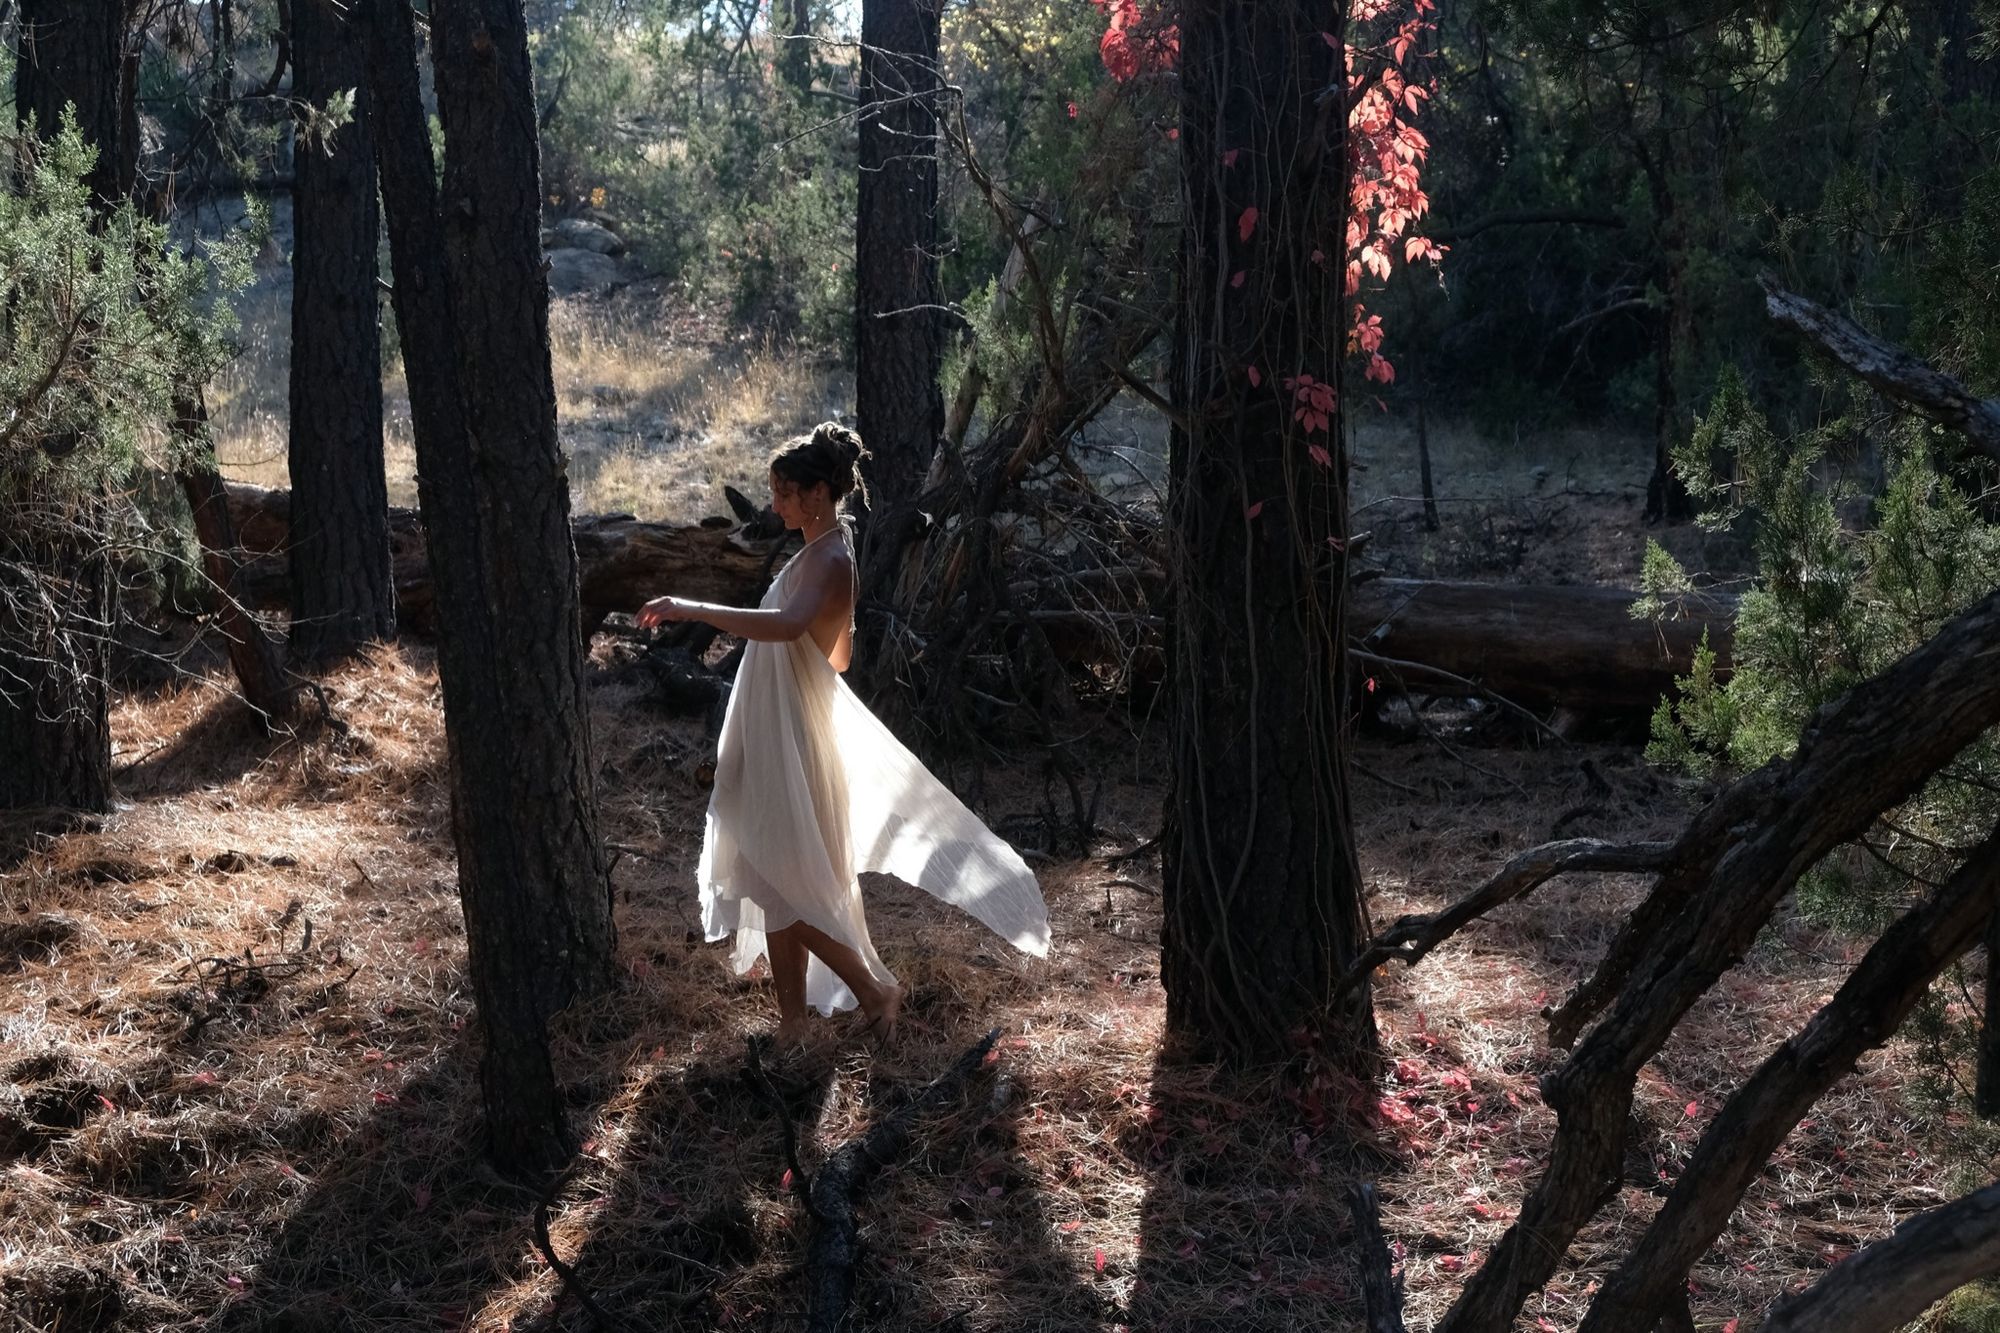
(1135, 44)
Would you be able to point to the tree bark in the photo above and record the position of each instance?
(471, 300)
(1889, 370)
(1539, 646)
(1261, 888)
(795, 59)
(898, 333)
(1986, 1090)
(342, 593)
(57, 612)
(72, 54)
(1862, 754)
(58, 596)
(1891, 1283)
(1873, 1002)
(253, 652)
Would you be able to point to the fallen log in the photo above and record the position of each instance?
(1534, 645)
(622, 561)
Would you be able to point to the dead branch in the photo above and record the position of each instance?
(1412, 937)
(1381, 1284)
(1859, 755)
(564, 1273)
(1890, 1283)
(833, 1245)
(1873, 1002)
(1889, 370)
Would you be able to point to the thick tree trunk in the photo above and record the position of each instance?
(1261, 887)
(342, 594)
(472, 302)
(898, 334)
(56, 618)
(72, 54)
(58, 597)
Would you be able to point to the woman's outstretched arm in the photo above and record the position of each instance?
(824, 579)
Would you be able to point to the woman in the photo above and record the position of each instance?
(811, 789)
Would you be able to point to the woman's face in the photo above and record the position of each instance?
(794, 503)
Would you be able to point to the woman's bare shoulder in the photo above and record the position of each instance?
(830, 558)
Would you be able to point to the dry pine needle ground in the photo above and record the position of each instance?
(206, 1122)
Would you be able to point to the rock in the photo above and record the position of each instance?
(583, 234)
(580, 272)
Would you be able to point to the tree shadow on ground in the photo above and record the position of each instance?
(414, 1228)
(1245, 1224)
(227, 740)
(963, 1232)
(679, 1218)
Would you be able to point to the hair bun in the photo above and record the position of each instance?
(828, 456)
(845, 444)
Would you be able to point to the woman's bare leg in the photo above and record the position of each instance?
(880, 1001)
(788, 976)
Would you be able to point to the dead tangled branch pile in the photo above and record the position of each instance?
(1717, 886)
(219, 985)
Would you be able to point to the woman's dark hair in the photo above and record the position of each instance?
(827, 455)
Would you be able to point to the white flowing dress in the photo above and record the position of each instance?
(810, 790)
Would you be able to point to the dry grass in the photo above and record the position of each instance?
(657, 412)
(302, 1157)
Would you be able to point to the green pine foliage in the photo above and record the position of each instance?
(105, 323)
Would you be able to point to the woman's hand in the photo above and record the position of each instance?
(663, 609)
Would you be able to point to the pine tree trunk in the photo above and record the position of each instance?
(57, 612)
(471, 300)
(58, 606)
(342, 592)
(1667, 498)
(1986, 1092)
(898, 336)
(795, 59)
(72, 53)
(1262, 890)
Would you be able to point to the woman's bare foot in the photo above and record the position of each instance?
(882, 1015)
(793, 1032)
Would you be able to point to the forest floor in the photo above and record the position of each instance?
(207, 1122)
